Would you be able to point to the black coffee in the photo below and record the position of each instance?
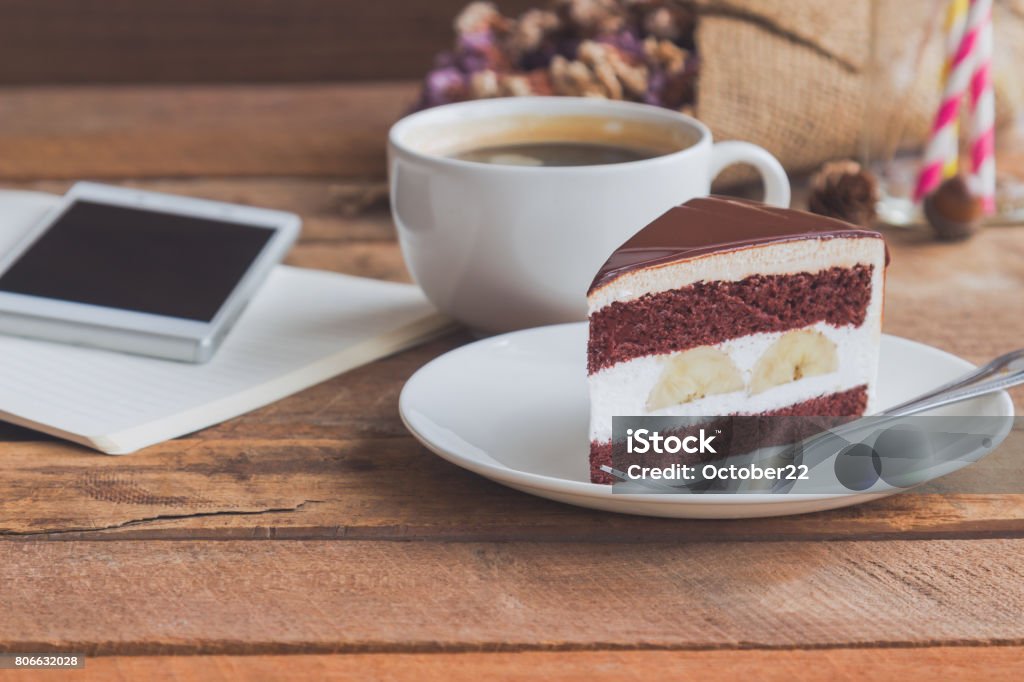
(555, 154)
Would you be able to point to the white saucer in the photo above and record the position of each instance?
(514, 408)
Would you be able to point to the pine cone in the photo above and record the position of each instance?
(846, 191)
(952, 211)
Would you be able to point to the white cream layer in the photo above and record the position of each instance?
(622, 390)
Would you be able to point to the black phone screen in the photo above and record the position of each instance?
(137, 259)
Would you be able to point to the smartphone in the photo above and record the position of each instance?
(140, 272)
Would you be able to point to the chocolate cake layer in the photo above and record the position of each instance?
(716, 224)
(851, 403)
(706, 313)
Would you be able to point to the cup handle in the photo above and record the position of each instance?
(773, 175)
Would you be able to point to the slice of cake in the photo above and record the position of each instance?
(729, 307)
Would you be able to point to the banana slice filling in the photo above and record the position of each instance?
(701, 372)
(797, 354)
(692, 375)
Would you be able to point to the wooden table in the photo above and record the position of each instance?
(315, 539)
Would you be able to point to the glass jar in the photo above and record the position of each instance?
(910, 41)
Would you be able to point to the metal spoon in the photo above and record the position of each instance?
(1007, 371)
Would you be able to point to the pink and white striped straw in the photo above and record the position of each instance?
(982, 180)
(956, 22)
(943, 144)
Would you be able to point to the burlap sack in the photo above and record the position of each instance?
(798, 76)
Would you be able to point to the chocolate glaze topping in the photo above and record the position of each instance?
(715, 224)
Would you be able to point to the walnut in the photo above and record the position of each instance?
(516, 85)
(490, 83)
(620, 49)
(659, 24)
(574, 78)
(665, 54)
(540, 82)
(632, 75)
(617, 74)
(600, 70)
(591, 17)
(536, 82)
(595, 56)
(484, 84)
(480, 17)
(530, 31)
(669, 21)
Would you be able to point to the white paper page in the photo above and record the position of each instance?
(298, 317)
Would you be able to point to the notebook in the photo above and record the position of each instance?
(302, 327)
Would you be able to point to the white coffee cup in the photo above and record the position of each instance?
(502, 247)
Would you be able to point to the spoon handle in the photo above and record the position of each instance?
(1004, 363)
(1004, 372)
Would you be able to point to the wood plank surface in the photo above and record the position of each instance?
(237, 597)
(318, 526)
(328, 469)
(1000, 663)
(333, 209)
(165, 131)
(120, 41)
(335, 461)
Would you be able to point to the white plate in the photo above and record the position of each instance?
(514, 408)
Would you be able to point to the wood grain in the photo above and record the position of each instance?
(963, 297)
(332, 209)
(324, 597)
(337, 466)
(335, 461)
(120, 41)
(316, 525)
(1000, 664)
(251, 130)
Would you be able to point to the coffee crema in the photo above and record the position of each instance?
(556, 154)
(553, 140)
